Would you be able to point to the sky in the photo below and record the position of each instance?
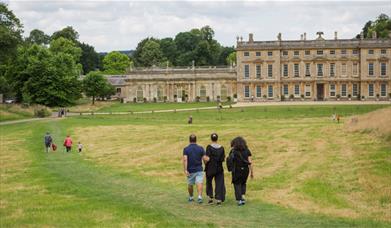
(120, 25)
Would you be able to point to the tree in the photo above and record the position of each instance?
(150, 54)
(115, 63)
(67, 33)
(94, 84)
(65, 46)
(169, 50)
(10, 33)
(90, 59)
(231, 58)
(382, 27)
(38, 37)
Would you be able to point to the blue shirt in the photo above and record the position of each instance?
(194, 155)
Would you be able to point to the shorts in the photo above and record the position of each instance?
(195, 178)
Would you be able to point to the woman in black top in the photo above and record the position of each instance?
(214, 170)
(242, 167)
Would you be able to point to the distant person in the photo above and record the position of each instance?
(338, 117)
(79, 147)
(193, 155)
(48, 142)
(242, 167)
(252, 98)
(220, 105)
(190, 121)
(215, 156)
(68, 143)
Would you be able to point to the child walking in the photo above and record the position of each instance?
(79, 147)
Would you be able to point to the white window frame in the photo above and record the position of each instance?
(332, 90)
(258, 91)
(383, 89)
(297, 90)
(246, 91)
(308, 69)
(246, 54)
(246, 71)
(354, 89)
(285, 70)
(383, 72)
(258, 71)
(371, 68)
(307, 90)
(371, 85)
(319, 69)
(270, 91)
(296, 70)
(270, 70)
(332, 70)
(285, 89)
(344, 90)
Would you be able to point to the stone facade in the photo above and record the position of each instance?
(313, 69)
(273, 70)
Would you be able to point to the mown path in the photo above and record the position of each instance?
(131, 200)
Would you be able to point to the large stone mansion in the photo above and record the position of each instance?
(302, 69)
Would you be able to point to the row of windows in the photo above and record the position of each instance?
(318, 52)
(319, 70)
(307, 90)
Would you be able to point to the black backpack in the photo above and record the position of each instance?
(230, 161)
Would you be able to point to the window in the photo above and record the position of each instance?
(307, 52)
(355, 69)
(320, 69)
(343, 90)
(246, 71)
(285, 70)
(383, 51)
(270, 70)
(370, 90)
(370, 69)
(383, 89)
(297, 89)
(332, 90)
(371, 51)
(246, 91)
(319, 52)
(296, 67)
(355, 90)
(307, 70)
(332, 52)
(259, 91)
(343, 69)
(118, 90)
(284, 53)
(285, 90)
(258, 53)
(355, 52)
(383, 69)
(270, 91)
(269, 53)
(258, 71)
(308, 90)
(332, 69)
(296, 53)
(203, 91)
(246, 53)
(343, 52)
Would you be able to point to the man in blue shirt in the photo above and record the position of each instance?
(193, 155)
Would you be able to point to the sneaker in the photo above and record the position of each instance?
(240, 203)
(190, 199)
(218, 203)
(210, 201)
(199, 200)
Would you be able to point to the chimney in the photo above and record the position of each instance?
(305, 36)
(374, 35)
(335, 35)
(250, 38)
(301, 37)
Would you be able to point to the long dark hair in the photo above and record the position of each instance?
(239, 144)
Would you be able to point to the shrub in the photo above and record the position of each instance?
(235, 96)
(42, 112)
(207, 98)
(165, 98)
(228, 98)
(362, 97)
(283, 97)
(389, 95)
(154, 100)
(377, 95)
(302, 96)
(264, 96)
(291, 96)
(135, 100)
(218, 98)
(198, 98)
(145, 100)
(349, 96)
(338, 96)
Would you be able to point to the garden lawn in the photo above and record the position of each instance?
(309, 171)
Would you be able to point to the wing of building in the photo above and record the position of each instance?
(302, 69)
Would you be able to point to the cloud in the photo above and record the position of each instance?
(120, 25)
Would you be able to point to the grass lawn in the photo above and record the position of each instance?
(137, 107)
(309, 171)
(14, 112)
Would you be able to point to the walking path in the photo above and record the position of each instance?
(24, 120)
(282, 103)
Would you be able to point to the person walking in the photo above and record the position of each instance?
(242, 167)
(68, 143)
(48, 142)
(215, 156)
(193, 155)
(79, 147)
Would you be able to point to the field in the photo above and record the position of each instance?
(14, 112)
(309, 170)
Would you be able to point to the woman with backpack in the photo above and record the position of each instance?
(215, 156)
(240, 160)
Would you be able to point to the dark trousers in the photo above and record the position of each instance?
(68, 148)
(240, 189)
(219, 186)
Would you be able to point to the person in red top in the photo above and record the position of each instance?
(68, 143)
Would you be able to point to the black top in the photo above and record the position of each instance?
(241, 158)
(216, 159)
